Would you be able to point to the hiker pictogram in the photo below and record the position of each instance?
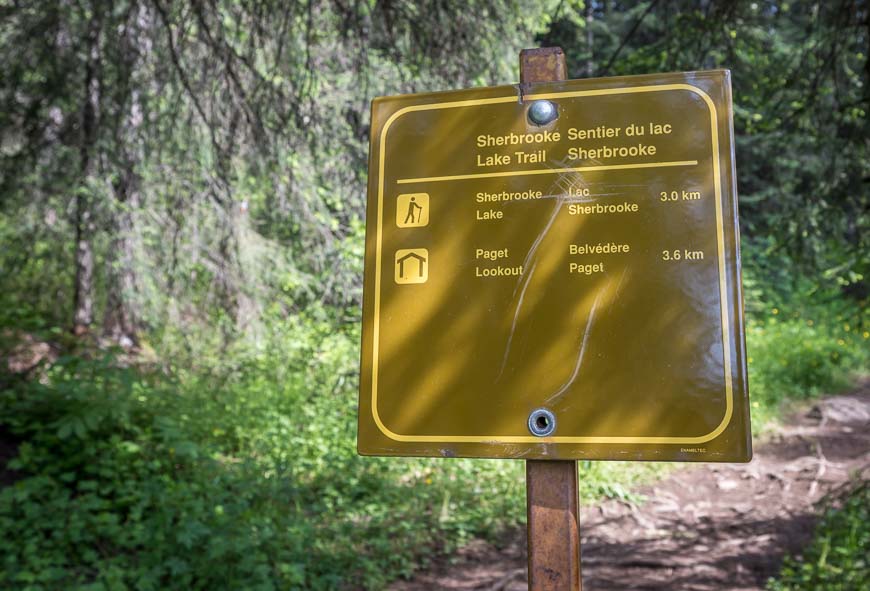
(412, 210)
(412, 216)
(412, 265)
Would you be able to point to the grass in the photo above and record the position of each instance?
(798, 354)
(838, 559)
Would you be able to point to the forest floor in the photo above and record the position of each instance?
(702, 528)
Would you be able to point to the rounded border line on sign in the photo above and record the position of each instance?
(726, 349)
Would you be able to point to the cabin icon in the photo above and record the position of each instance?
(412, 265)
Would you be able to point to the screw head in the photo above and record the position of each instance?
(543, 112)
(542, 422)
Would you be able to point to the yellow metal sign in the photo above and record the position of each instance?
(562, 289)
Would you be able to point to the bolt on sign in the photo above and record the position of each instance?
(552, 271)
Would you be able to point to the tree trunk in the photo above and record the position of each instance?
(121, 320)
(83, 295)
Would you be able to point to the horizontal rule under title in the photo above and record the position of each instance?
(519, 139)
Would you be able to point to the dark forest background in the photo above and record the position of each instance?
(182, 190)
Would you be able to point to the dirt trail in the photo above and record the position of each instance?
(714, 526)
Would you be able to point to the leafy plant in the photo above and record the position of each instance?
(839, 557)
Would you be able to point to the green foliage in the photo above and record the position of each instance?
(31, 260)
(238, 468)
(800, 76)
(213, 155)
(839, 557)
(803, 338)
(800, 357)
(232, 477)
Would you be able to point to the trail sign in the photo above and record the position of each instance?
(552, 271)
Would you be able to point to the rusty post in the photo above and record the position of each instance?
(553, 525)
(546, 64)
(551, 486)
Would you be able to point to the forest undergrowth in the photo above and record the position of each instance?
(238, 468)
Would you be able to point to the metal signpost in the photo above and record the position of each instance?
(552, 274)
